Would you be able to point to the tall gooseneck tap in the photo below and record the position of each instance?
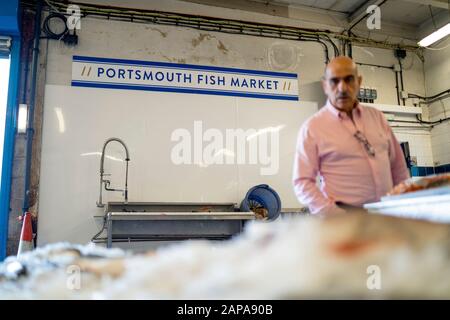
(103, 174)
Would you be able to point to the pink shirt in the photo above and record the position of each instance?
(326, 147)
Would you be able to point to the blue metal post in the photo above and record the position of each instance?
(9, 26)
(8, 146)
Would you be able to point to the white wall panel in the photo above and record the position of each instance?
(286, 118)
(77, 121)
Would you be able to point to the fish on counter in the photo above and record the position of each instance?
(428, 182)
(302, 257)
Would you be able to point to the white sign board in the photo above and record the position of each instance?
(183, 78)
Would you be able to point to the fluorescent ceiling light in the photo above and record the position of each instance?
(435, 36)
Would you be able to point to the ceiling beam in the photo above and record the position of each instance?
(443, 4)
(312, 9)
(427, 26)
(336, 3)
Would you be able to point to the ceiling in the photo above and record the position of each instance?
(401, 19)
(407, 12)
(338, 5)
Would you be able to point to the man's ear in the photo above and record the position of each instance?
(359, 80)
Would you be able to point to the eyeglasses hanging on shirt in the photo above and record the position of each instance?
(361, 138)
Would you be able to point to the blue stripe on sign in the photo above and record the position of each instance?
(188, 88)
(174, 68)
(182, 90)
(184, 66)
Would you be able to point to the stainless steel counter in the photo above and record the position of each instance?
(141, 221)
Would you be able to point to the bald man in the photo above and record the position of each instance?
(349, 146)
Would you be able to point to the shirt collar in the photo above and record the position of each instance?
(340, 114)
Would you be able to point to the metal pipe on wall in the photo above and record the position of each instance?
(374, 65)
(401, 80)
(397, 88)
(33, 84)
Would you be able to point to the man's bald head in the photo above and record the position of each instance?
(341, 62)
(341, 83)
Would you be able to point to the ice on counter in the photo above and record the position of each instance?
(348, 256)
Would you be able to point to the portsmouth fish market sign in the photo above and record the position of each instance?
(185, 78)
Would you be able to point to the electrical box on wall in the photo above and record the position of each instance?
(400, 53)
(367, 95)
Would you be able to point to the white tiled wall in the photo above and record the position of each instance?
(437, 79)
(440, 142)
(418, 137)
(419, 144)
(440, 134)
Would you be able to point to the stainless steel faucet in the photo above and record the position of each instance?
(107, 182)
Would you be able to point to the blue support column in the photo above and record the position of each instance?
(9, 26)
(8, 144)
